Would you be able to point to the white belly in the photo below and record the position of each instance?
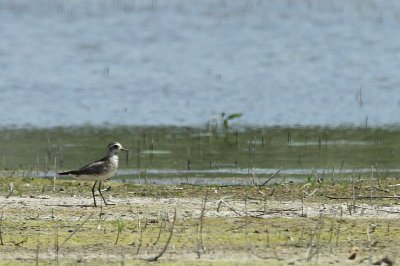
(96, 177)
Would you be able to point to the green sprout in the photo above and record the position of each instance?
(120, 226)
(225, 118)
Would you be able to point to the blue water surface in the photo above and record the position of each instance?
(178, 62)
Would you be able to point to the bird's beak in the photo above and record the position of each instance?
(123, 149)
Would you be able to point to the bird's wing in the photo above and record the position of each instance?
(95, 168)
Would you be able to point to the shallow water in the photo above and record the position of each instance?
(224, 177)
(181, 62)
(181, 154)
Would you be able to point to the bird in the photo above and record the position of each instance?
(99, 170)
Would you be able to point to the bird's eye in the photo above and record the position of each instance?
(115, 146)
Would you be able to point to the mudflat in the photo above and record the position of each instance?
(335, 223)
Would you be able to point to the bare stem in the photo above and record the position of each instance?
(159, 255)
(1, 231)
(200, 245)
(76, 229)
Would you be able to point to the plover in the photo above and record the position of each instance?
(99, 170)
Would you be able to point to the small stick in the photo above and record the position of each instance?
(61, 156)
(246, 219)
(363, 197)
(37, 254)
(140, 241)
(37, 165)
(380, 189)
(368, 237)
(232, 209)
(138, 157)
(331, 232)
(55, 175)
(76, 229)
(341, 169)
(56, 246)
(122, 256)
(1, 231)
(200, 244)
(141, 233)
(271, 176)
(339, 225)
(11, 190)
(159, 232)
(310, 194)
(166, 244)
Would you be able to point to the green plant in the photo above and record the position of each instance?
(120, 227)
(225, 118)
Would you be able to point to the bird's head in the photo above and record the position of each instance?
(114, 148)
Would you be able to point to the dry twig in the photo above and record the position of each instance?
(272, 176)
(200, 245)
(155, 258)
(11, 190)
(1, 231)
(76, 229)
(363, 197)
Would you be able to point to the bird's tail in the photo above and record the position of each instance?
(68, 173)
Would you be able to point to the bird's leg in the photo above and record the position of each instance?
(93, 193)
(101, 193)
